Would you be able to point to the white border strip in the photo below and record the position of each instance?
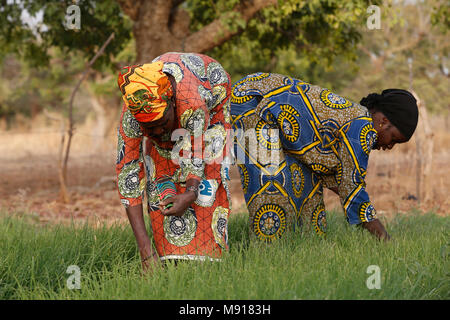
(189, 257)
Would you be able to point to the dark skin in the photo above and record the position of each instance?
(388, 137)
(181, 202)
(388, 134)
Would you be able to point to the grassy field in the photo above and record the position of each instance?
(34, 262)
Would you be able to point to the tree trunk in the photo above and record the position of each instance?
(424, 145)
(424, 130)
(107, 111)
(154, 15)
(162, 26)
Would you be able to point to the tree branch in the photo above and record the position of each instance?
(216, 32)
(373, 57)
(158, 10)
(130, 8)
(72, 97)
(152, 14)
(409, 45)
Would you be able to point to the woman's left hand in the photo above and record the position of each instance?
(376, 228)
(180, 203)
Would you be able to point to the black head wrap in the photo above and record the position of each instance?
(399, 106)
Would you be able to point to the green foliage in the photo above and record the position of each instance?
(98, 20)
(40, 259)
(299, 266)
(44, 59)
(317, 31)
(405, 37)
(28, 90)
(441, 15)
(318, 41)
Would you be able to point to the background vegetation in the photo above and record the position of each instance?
(320, 41)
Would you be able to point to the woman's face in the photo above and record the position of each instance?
(389, 137)
(160, 126)
(388, 134)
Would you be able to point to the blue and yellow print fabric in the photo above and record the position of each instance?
(324, 141)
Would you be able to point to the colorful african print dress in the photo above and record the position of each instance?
(199, 152)
(293, 139)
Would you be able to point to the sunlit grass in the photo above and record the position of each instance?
(34, 261)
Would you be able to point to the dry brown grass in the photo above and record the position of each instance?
(29, 180)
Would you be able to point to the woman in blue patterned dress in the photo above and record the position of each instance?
(293, 139)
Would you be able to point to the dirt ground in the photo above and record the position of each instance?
(29, 178)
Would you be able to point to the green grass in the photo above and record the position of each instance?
(34, 260)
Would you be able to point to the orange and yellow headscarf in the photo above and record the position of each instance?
(146, 90)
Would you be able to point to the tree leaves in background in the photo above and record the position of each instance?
(98, 20)
(317, 31)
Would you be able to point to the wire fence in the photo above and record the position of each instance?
(93, 156)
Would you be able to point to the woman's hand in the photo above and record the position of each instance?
(180, 203)
(136, 218)
(376, 228)
(150, 262)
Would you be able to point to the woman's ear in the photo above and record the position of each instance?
(385, 122)
(380, 121)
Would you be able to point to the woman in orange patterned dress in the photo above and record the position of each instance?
(175, 124)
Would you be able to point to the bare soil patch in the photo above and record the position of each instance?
(29, 179)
